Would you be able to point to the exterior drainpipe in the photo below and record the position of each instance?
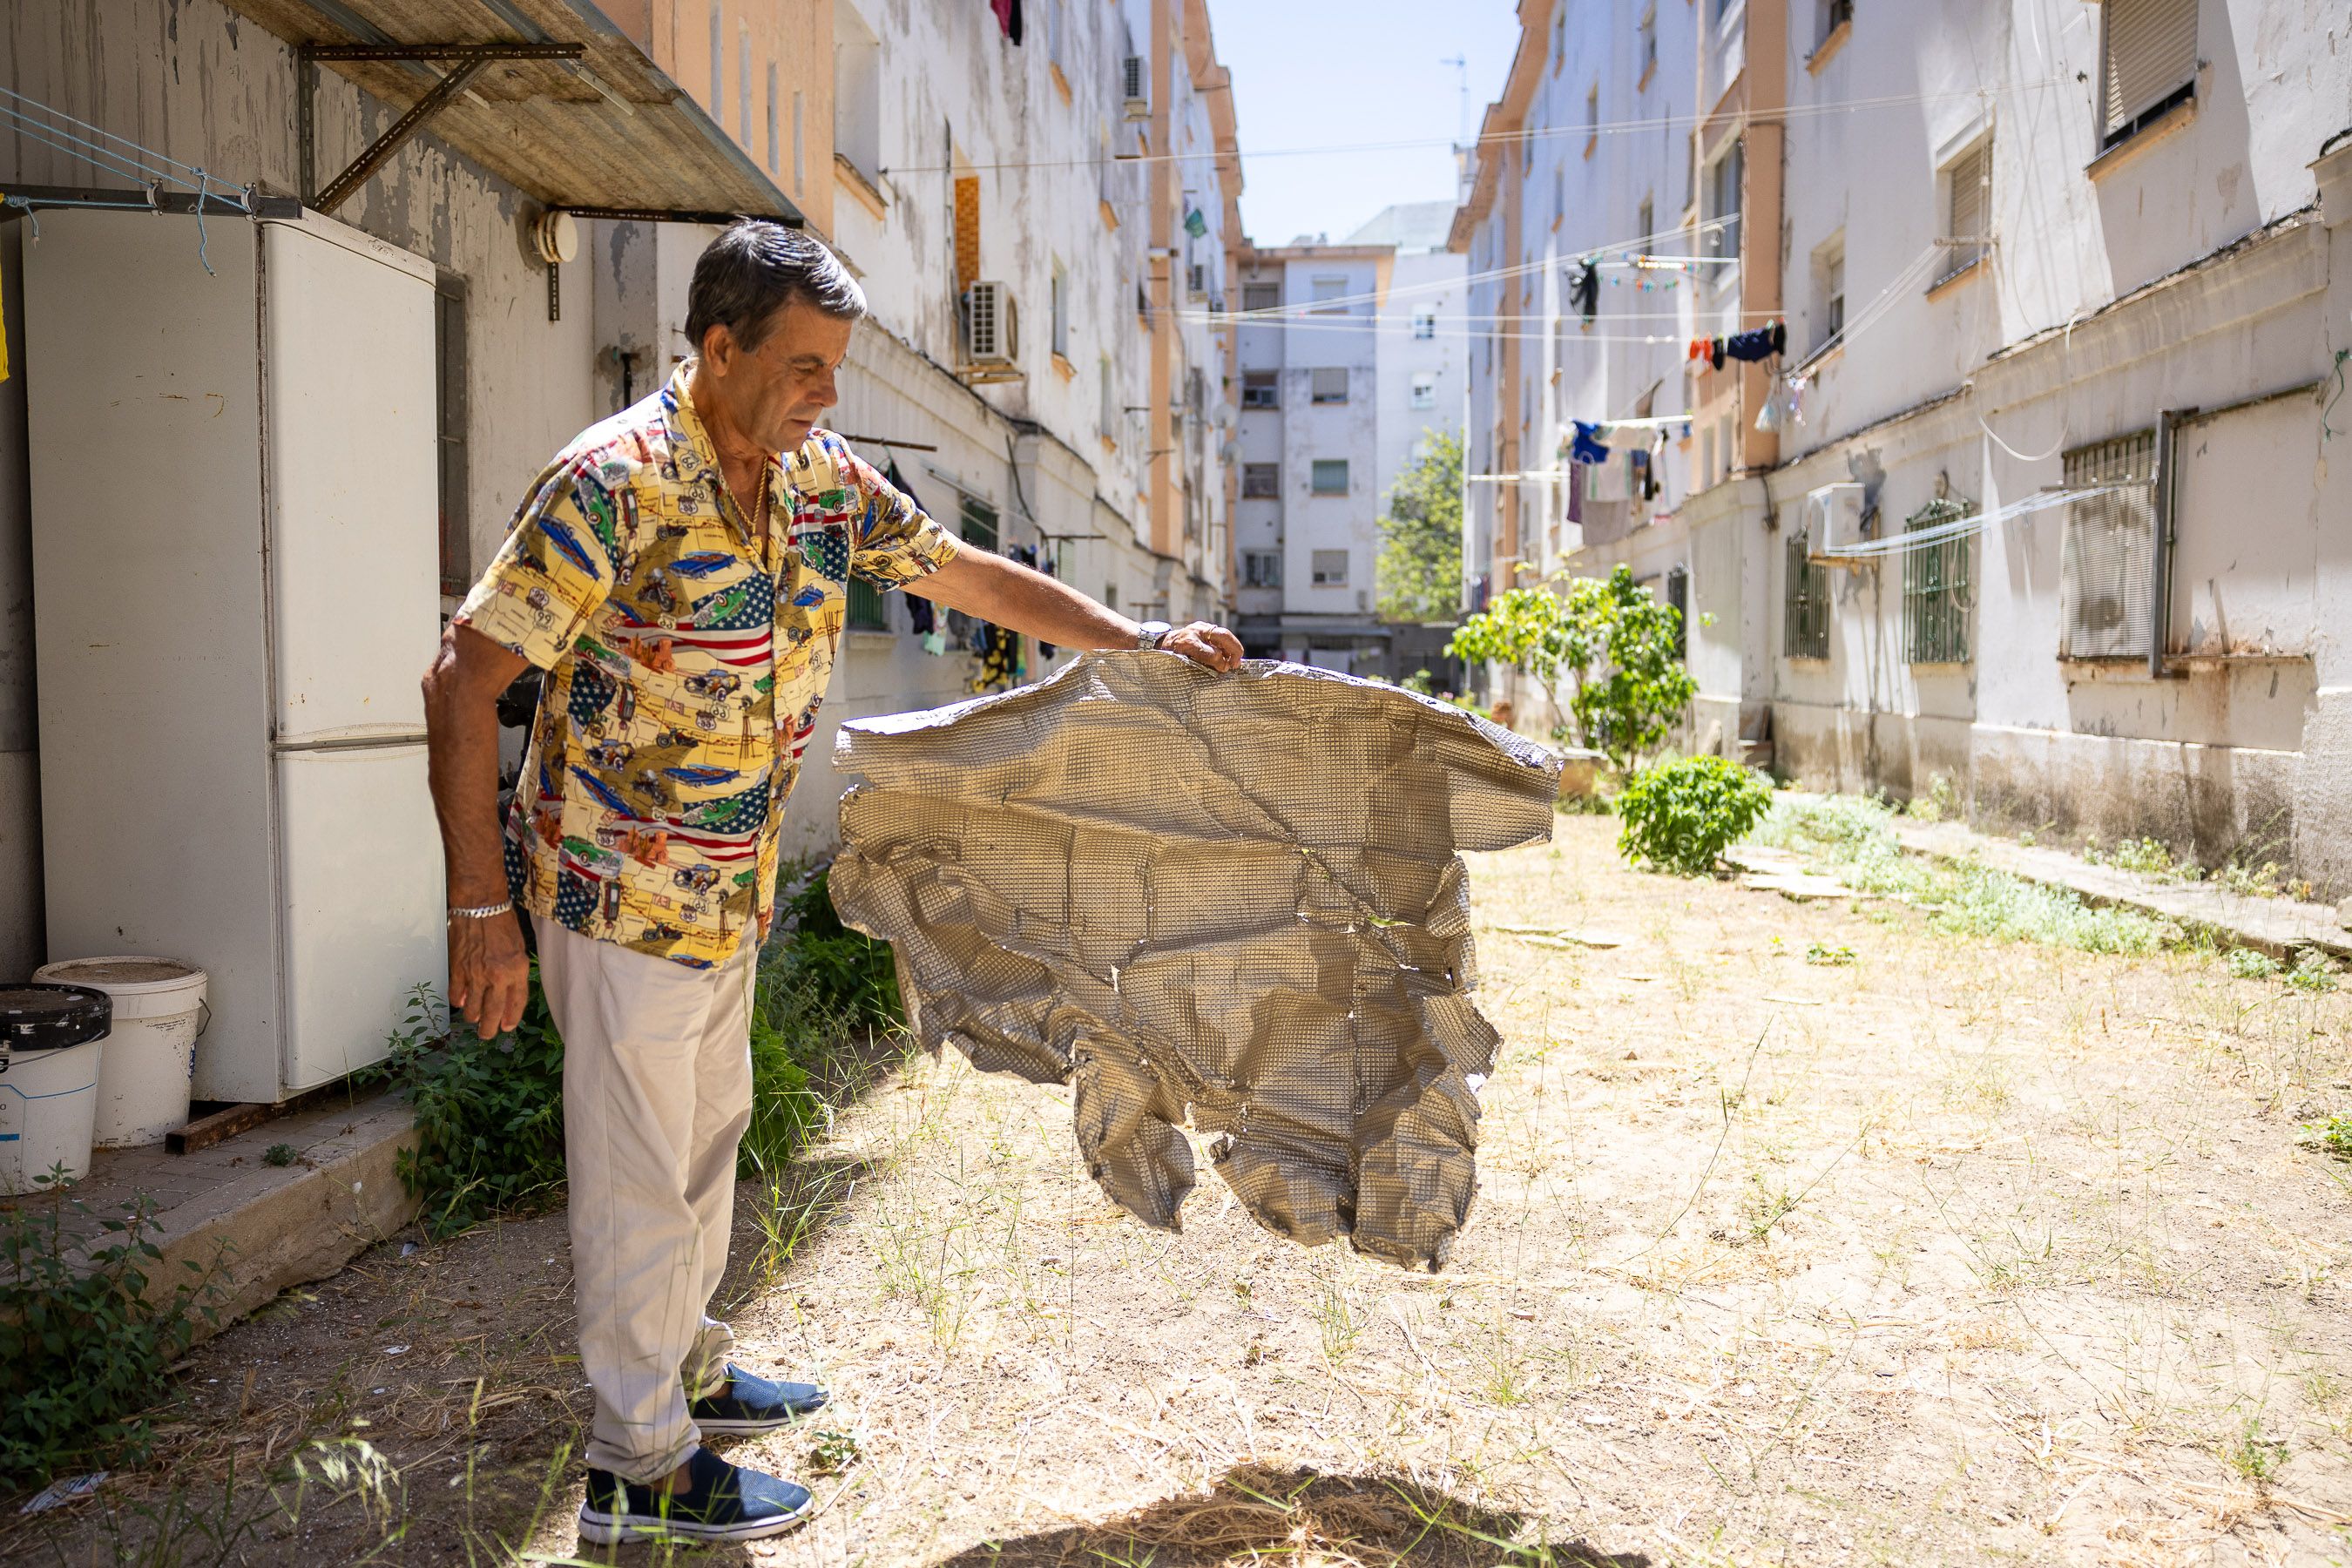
(2159, 597)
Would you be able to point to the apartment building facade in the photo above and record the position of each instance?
(2035, 499)
(1349, 356)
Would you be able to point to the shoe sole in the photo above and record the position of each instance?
(602, 1529)
(749, 1428)
(743, 1428)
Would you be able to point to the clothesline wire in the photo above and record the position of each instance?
(1491, 275)
(1795, 112)
(1968, 527)
(152, 157)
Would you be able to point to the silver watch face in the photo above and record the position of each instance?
(1150, 633)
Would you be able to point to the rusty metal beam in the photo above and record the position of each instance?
(466, 61)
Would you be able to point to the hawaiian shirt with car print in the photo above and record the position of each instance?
(686, 664)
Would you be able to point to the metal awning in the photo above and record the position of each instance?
(548, 94)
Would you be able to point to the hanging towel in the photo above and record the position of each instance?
(1586, 291)
(921, 619)
(1587, 445)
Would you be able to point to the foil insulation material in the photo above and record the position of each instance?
(1228, 899)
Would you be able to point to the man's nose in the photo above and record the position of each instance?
(827, 394)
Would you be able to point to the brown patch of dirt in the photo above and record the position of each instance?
(1963, 1251)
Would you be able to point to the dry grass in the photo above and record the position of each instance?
(1961, 1252)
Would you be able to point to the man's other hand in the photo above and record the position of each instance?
(489, 972)
(1206, 644)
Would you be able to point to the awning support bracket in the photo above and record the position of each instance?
(464, 60)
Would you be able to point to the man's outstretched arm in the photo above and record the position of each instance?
(980, 582)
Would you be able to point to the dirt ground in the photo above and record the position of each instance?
(1952, 1252)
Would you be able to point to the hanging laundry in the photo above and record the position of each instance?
(1008, 17)
(1000, 659)
(921, 619)
(1586, 291)
(1715, 352)
(1761, 344)
(1588, 446)
(935, 644)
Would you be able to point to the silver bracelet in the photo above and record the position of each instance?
(484, 911)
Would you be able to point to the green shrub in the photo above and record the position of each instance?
(2313, 971)
(85, 1342)
(1681, 815)
(490, 1113)
(840, 971)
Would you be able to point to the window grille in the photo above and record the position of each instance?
(979, 524)
(2148, 62)
(1261, 296)
(867, 613)
(1261, 569)
(1805, 608)
(1935, 589)
(2106, 584)
(1261, 481)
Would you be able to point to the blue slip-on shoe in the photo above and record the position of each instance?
(751, 1404)
(724, 1503)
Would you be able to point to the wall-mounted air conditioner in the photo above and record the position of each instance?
(991, 326)
(1833, 521)
(1137, 86)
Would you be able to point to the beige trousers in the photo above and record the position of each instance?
(656, 1094)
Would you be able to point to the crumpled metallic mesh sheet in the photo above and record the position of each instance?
(1234, 897)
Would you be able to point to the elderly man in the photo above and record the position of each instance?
(681, 571)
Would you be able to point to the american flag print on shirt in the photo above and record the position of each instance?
(686, 665)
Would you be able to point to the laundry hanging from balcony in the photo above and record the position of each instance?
(1008, 17)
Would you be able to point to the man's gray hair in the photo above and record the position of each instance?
(756, 268)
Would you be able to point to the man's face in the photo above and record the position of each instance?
(774, 395)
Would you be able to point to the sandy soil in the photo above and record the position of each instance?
(1952, 1252)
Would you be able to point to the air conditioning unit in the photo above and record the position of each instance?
(1833, 521)
(992, 325)
(1138, 87)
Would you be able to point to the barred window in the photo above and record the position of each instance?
(867, 611)
(1261, 568)
(1805, 604)
(2106, 574)
(1261, 481)
(1935, 592)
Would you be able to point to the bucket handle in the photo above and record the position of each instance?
(204, 1019)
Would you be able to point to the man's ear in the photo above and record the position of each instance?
(717, 347)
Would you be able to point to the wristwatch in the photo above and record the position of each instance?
(1151, 634)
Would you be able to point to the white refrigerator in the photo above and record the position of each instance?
(235, 589)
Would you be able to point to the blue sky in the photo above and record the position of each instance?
(1315, 73)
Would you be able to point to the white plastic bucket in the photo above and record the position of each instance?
(151, 1056)
(48, 1101)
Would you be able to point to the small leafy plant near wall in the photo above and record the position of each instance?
(87, 1332)
(1681, 815)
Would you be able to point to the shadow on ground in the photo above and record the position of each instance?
(1258, 1512)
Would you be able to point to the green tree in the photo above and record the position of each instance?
(1613, 639)
(1419, 572)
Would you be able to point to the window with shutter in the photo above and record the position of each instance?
(1330, 384)
(2105, 569)
(1967, 208)
(2148, 62)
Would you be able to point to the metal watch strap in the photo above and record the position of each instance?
(1151, 634)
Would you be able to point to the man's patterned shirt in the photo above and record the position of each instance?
(685, 667)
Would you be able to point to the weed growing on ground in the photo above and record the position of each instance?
(2314, 971)
(2333, 1136)
(1941, 801)
(1817, 953)
(85, 1336)
(2252, 963)
(1856, 837)
(832, 1452)
(279, 1154)
(2253, 1455)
